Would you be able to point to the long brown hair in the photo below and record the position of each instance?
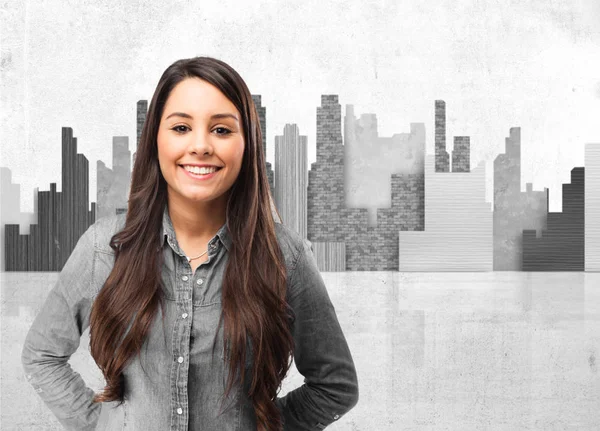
(254, 285)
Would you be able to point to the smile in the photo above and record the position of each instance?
(200, 173)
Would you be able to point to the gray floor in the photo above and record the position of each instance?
(434, 351)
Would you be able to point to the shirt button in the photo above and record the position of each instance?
(199, 281)
(336, 416)
(184, 315)
(180, 359)
(179, 411)
(184, 278)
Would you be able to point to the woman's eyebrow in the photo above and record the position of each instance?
(213, 117)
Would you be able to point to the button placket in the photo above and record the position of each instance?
(181, 342)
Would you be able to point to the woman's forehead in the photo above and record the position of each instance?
(200, 104)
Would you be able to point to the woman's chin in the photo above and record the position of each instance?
(201, 199)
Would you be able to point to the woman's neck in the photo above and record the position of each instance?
(196, 222)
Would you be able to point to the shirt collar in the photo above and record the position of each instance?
(169, 232)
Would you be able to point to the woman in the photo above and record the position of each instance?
(196, 298)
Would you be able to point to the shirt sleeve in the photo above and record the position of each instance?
(55, 335)
(321, 353)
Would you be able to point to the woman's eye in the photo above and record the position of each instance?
(222, 131)
(178, 129)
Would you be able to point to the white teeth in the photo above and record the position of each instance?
(200, 171)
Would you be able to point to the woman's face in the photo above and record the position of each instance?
(199, 126)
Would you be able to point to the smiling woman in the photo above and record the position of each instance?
(197, 265)
(200, 150)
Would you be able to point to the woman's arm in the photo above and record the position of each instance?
(54, 336)
(321, 354)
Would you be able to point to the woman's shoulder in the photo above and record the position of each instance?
(104, 228)
(291, 243)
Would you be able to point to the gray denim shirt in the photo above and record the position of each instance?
(176, 383)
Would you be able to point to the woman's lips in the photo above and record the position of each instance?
(199, 176)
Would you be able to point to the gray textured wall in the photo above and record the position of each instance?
(462, 351)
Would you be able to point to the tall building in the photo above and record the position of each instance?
(457, 234)
(262, 115)
(325, 194)
(458, 224)
(75, 190)
(62, 217)
(592, 207)
(342, 237)
(142, 112)
(383, 188)
(113, 184)
(291, 178)
(514, 211)
(561, 246)
(370, 161)
(325, 197)
(442, 159)
(461, 154)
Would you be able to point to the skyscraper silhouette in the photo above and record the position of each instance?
(262, 115)
(461, 154)
(113, 184)
(442, 159)
(592, 207)
(141, 113)
(291, 178)
(325, 194)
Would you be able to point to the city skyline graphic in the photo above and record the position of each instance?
(442, 158)
(368, 203)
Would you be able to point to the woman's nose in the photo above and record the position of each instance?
(200, 144)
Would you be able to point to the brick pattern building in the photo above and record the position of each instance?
(141, 113)
(367, 248)
(370, 160)
(262, 115)
(461, 154)
(442, 159)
